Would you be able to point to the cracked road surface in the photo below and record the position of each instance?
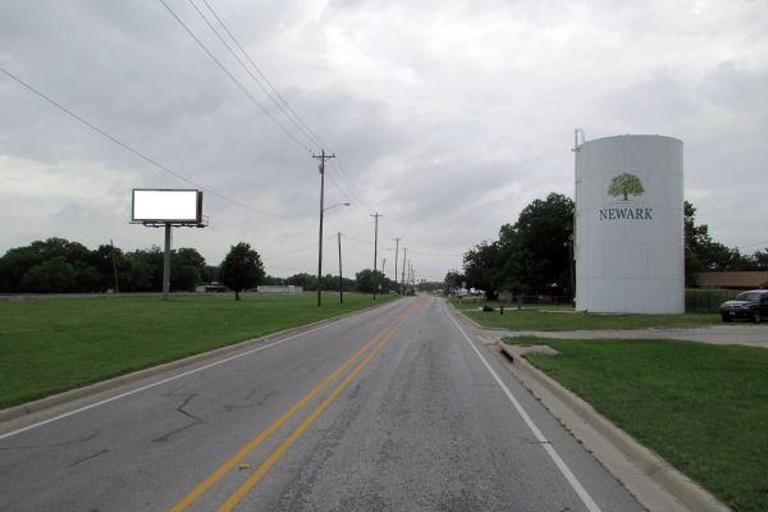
(399, 408)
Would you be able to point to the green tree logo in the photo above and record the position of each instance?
(625, 185)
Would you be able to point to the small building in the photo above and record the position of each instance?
(213, 287)
(745, 280)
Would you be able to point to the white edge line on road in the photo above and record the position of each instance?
(561, 465)
(161, 382)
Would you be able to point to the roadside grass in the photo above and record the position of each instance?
(473, 304)
(52, 345)
(563, 318)
(703, 408)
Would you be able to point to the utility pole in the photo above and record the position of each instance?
(375, 250)
(322, 157)
(341, 280)
(397, 247)
(402, 279)
(384, 273)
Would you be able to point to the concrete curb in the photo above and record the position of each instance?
(43, 404)
(687, 495)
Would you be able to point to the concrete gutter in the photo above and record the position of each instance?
(653, 481)
(44, 405)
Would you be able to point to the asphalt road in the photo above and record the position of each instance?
(399, 408)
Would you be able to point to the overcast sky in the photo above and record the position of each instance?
(448, 117)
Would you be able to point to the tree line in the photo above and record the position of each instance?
(57, 265)
(534, 255)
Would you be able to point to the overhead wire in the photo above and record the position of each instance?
(274, 95)
(351, 194)
(297, 250)
(127, 147)
(232, 77)
(338, 164)
(308, 134)
(282, 100)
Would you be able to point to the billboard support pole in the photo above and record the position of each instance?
(167, 262)
(341, 279)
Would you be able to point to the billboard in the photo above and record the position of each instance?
(166, 205)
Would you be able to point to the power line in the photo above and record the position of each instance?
(351, 183)
(232, 77)
(272, 93)
(286, 113)
(446, 255)
(82, 120)
(270, 90)
(336, 184)
(306, 129)
(294, 251)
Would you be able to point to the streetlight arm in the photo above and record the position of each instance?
(335, 205)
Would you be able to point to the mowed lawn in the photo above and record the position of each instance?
(564, 318)
(703, 408)
(51, 345)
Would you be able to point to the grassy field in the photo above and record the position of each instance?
(558, 317)
(48, 346)
(704, 408)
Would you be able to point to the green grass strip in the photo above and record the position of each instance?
(49, 346)
(703, 408)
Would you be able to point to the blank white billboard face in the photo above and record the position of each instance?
(166, 205)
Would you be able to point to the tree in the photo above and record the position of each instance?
(241, 269)
(702, 254)
(187, 267)
(760, 260)
(210, 274)
(535, 251)
(55, 275)
(14, 265)
(273, 281)
(105, 259)
(367, 279)
(306, 281)
(625, 184)
(453, 280)
(481, 268)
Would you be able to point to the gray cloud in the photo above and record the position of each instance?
(447, 117)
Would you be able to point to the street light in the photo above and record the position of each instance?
(335, 205)
(320, 248)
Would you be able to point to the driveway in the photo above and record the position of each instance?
(739, 334)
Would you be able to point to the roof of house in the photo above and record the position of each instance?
(746, 279)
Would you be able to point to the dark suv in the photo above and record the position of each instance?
(751, 305)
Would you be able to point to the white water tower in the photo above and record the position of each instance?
(629, 225)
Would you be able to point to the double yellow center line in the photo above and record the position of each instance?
(377, 342)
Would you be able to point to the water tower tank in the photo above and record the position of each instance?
(629, 225)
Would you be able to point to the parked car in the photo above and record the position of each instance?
(751, 305)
